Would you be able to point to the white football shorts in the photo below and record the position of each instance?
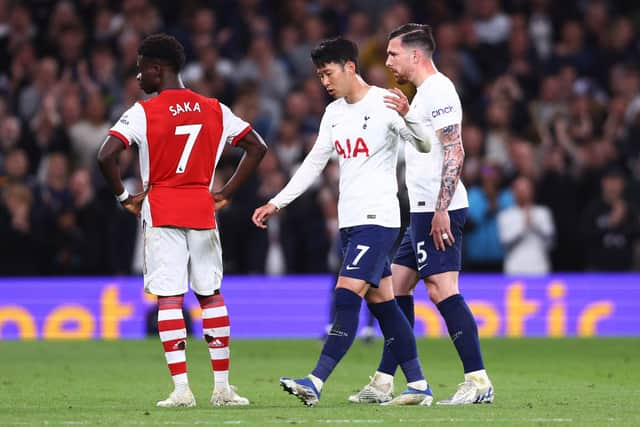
(175, 257)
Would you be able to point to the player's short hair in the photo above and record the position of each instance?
(415, 35)
(165, 48)
(336, 50)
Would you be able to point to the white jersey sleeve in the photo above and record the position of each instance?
(131, 128)
(442, 107)
(311, 167)
(233, 127)
(412, 130)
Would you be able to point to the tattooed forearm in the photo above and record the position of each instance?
(453, 150)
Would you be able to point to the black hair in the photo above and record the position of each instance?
(336, 50)
(415, 35)
(165, 48)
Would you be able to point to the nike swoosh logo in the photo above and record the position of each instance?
(334, 125)
(351, 267)
(422, 266)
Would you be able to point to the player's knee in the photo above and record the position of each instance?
(434, 293)
(403, 288)
(439, 292)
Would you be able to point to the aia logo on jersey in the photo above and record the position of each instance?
(440, 111)
(350, 150)
(184, 107)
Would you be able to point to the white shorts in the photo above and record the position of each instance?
(175, 257)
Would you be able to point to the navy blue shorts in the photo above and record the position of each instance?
(418, 252)
(365, 252)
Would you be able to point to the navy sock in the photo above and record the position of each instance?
(463, 331)
(343, 332)
(388, 363)
(398, 338)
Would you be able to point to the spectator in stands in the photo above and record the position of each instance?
(87, 135)
(44, 78)
(558, 189)
(526, 232)
(22, 249)
(610, 225)
(15, 169)
(483, 249)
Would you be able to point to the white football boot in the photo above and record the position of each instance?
(228, 397)
(183, 398)
(470, 392)
(412, 396)
(379, 390)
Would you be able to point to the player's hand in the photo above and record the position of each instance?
(618, 213)
(221, 200)
(261, 214)
(440, 228)
(134, 203)
(400, 103)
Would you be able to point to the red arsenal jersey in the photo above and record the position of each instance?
(180, 135)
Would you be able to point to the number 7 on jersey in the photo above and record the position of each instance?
(192, 131)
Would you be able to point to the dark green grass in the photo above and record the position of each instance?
(538, 382)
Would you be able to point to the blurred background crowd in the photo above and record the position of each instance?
(550, 91)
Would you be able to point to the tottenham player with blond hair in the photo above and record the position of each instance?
(180, 137)
(431, 248)
(365, 135)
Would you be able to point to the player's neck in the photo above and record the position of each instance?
(359, 90)
(423, 73)
(171, 83)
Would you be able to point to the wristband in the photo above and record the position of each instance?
(123, 196)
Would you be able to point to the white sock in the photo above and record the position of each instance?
(478, 377)
(221, 380)
(180, 382)
(418, 385)
(382, 378)
(317, 382)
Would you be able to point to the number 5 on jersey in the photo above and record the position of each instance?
(422, 255)
(192, 131)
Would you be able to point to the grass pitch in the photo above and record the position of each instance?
(538, 382)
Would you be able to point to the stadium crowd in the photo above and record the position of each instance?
(550, 91)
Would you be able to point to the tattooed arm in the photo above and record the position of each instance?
(451, 142)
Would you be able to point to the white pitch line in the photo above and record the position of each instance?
(317, 421)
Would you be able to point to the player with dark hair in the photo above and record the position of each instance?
(180, 136)
(365, 136)
(431, 249)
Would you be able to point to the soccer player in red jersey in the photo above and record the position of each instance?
(180, 136)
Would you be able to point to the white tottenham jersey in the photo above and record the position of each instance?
(437, 102)
(364, 136)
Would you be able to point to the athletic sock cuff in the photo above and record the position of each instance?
(346, 298)
(446, 303)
